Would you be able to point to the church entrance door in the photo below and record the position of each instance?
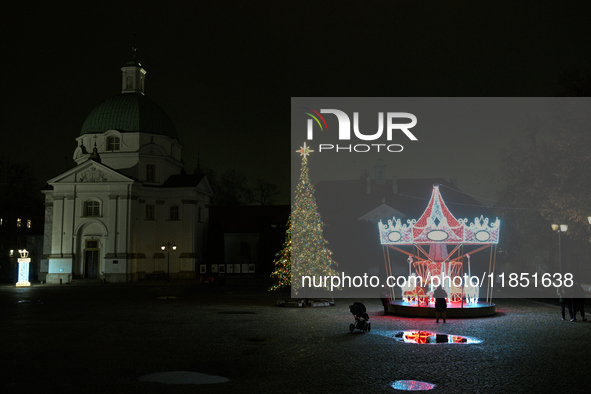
(91, 259)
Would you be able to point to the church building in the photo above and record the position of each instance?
(127, 210)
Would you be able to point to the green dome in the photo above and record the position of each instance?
(129, 112)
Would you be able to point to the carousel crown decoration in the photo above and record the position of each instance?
(396, 231)
(438, 225)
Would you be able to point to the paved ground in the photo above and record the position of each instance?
(102, 338)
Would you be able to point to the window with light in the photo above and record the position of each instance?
(113, 143)
(92, 208)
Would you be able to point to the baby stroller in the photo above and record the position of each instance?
(361, 317)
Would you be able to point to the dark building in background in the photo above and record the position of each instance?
(20, 230)
(244, 239)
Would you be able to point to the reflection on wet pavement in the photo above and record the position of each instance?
(412, 385)
(432, 337)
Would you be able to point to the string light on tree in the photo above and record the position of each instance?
(282, 273)
(309, 254)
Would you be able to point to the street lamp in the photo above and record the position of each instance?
(560, 229)
(163, 247)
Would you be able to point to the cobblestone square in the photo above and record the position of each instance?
(103, 338)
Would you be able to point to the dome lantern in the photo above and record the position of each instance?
(130, 111)
(133, 75)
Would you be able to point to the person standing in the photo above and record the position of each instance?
(440, 296)
(566, 301)
(579, 301)
(386, 300)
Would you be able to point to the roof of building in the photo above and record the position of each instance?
(408, 196)
(129, 112)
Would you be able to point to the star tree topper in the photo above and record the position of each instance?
(304, 151)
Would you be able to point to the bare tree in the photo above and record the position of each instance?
(265, 192)
(231, 189)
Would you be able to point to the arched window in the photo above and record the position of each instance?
(113, 143)
(92, 208)
(150, 173)
(174, 212)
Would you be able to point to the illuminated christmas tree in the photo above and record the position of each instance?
(310, 256)
(282, 273)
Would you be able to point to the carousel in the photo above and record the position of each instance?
(441, 247)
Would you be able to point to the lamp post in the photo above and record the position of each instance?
(560, 229)
(168, 245)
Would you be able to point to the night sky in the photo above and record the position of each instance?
(224, 71)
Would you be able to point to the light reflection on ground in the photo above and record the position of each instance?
(427, 337)
(450, 305)
(412, 385)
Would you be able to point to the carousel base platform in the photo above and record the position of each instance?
(454, 310)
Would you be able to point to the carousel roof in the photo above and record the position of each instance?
(438, 225)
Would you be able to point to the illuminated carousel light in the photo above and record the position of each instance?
(482, 236)
(430, 235)
(394, 236)
(437, 235)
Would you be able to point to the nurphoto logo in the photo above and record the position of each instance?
(394, 124)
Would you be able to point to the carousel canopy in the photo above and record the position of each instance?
(437, 225)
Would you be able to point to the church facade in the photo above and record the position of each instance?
(127, 210)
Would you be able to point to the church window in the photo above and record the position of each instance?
(129, 84)
(113, 143)
(29, 223)
(150, 212)
(150, 173)
(174, 212)
(200, 214)
(92, 208)
(18, 222)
